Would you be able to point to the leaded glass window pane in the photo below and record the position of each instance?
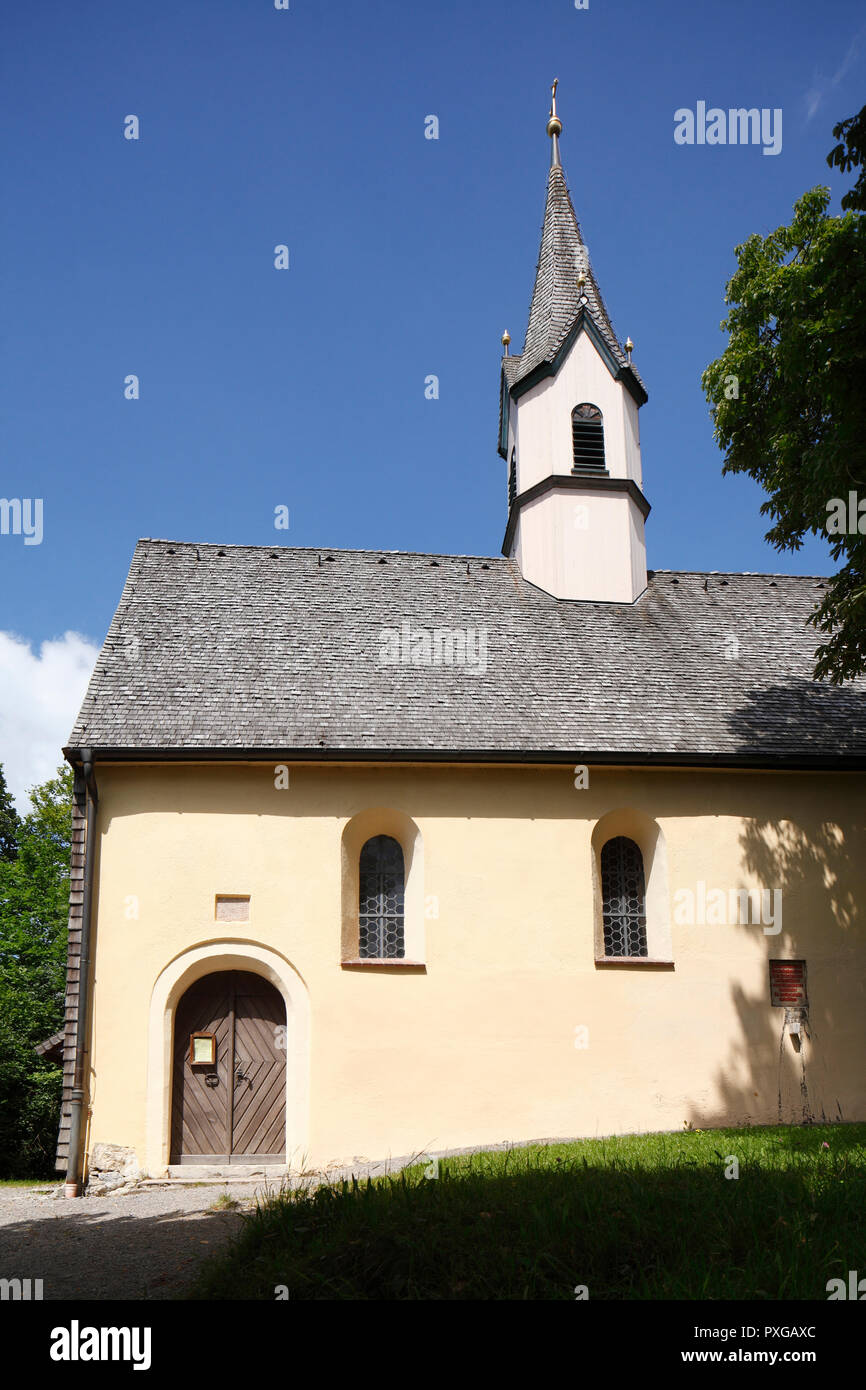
(623, 894)
(381, 907)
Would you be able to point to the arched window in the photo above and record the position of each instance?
(587, 438)
(623, 896)
(381, 881)
(512, 477)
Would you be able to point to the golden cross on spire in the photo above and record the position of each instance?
(554, 125)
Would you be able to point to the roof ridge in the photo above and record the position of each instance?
(445, 555)
(317, 549)
(737, 574)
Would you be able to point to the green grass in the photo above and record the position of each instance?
(637, 1217)
(224, 1202)
(29, 1182)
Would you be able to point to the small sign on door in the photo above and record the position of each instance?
(202, 1049)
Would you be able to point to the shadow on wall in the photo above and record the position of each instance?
(764, 1078)
(808, 861)
(816, 866)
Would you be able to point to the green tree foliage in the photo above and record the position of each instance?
(34, 905)
(8, 822)
(788, 393)
(850, 154)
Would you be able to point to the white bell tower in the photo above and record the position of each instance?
(569, 425)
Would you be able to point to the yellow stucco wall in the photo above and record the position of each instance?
(481, 1046)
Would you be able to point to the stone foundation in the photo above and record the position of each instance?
(112, 1169)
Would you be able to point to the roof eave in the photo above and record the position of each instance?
(802, 762)
(503, 415)
(584, 322)
(581, 482)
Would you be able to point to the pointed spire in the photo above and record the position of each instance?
(565, 285)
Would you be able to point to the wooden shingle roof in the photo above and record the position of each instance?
(226, 649)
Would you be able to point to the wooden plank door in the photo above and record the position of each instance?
(201, 1095)
(259, 1109)
(234, 1111)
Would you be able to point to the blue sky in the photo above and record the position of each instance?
(408, 256)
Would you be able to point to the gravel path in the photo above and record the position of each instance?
(147, 1244)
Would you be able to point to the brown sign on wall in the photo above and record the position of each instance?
(788, 982)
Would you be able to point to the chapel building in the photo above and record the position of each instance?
(383, 853)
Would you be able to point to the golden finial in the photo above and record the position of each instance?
(554, 124)
(506, 339)
(629, 347)
(581, 280)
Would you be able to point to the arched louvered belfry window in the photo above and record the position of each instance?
(623, 896)
(587, 439)
(512, 477)
(381, 900)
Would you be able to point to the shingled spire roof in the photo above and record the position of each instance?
(558, 300)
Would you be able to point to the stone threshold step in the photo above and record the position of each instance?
(190, 1176)
(201, 1182)
(222, 1170)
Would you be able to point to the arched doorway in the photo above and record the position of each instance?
(229, 1071)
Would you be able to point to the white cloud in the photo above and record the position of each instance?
(40, 694)
(814, 97)
(817, 93)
